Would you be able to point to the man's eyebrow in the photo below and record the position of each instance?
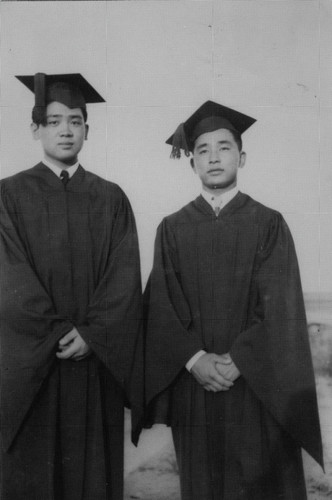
(60, 116)
(205, 145)
(202, 146)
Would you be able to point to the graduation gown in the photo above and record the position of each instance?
(69, 258)
(231, 284)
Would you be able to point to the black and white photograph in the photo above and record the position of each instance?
(166, 250)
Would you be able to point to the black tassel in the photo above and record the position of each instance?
(39, 89)
(179, 142)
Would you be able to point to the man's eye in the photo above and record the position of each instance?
(225, 148)
(203, 151)
(53, 123)
(76, 123)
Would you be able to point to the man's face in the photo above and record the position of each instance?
(63, 134)
(216, 159)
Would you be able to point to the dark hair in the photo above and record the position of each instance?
(236, 136)
(39, 115)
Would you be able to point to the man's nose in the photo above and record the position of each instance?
(66, 129)
(214, 156)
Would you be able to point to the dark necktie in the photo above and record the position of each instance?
(64, 176)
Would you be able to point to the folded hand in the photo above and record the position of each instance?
(227, 368)
(206, 373)
(72, 346)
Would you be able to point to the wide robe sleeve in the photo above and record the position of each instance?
(170, 340)
(30, 328)
(273, 352)
(113, 324)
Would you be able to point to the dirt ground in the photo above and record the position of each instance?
(151, 471)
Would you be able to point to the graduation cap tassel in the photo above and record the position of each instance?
(39, 89)
(179, 142)
(38, 113)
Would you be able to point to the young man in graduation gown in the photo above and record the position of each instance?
(70, 312)
(228, 363)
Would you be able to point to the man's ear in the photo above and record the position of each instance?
(35, 131)
(243, 157)
(86, 132)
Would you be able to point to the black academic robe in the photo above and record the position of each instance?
(69, 258)
(231, 284)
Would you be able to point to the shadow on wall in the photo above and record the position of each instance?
(320, 335)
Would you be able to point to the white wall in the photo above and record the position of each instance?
(155, 63)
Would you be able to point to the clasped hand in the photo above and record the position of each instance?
(215, 372)
(72, 346)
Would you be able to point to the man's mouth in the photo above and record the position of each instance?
(215, 171)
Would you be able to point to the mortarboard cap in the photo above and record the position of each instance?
(70, 89)
(209, 117)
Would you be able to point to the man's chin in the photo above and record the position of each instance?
(219, 185)
(67, 159)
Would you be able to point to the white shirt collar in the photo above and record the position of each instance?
(57, 170)
(219, 200)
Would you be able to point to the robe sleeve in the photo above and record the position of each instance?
(29, 325)
(273, 352)
(113, 324)
(170, 339)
